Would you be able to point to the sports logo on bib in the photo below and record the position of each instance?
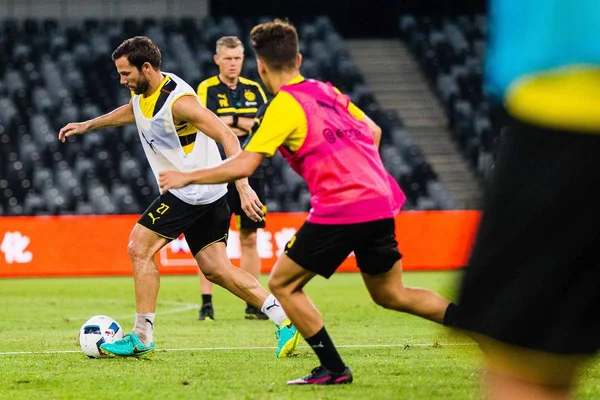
(250, 96)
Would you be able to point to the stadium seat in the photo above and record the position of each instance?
(450, 52)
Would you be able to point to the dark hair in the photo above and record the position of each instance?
(139, 50)
(276, 43)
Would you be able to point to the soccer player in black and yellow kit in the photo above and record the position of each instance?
(235, 100)
(176, 131)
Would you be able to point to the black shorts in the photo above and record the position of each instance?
(202, 225)
(534, 276)
(322, 248)
(235, 205)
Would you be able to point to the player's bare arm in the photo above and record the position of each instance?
(189, 109)
(243, 164)
(118, 117)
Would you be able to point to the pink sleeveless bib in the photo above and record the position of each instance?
(339, 161)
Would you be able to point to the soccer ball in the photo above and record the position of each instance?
(97, 330)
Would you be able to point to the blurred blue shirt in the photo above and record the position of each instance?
(530, 36)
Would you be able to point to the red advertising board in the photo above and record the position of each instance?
(97, 245)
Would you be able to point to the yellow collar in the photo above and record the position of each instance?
(297, 79)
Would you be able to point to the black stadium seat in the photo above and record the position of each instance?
(450, 53)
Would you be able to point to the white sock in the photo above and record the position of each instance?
(144, 327)
(273, 309)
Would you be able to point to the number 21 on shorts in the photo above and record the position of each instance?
(163, 208)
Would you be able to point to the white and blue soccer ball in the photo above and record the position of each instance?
(97, 330)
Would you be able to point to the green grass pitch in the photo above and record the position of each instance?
(392, 355)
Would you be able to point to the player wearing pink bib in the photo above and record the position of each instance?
(339, 160)
(333, 145)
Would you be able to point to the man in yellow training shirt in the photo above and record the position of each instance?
(235, 100)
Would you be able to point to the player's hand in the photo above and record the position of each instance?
(172, 180)
(251, 204)
(74, 128)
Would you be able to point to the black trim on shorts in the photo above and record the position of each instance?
(322, 248)
(202, 225)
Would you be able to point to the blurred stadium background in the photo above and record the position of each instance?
(414, 72)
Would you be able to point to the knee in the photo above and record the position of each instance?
(137, 251)
(248, 239)
(283, 287)
(212, 274)
(276, 286)
(142, 259)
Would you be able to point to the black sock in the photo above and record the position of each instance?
(324, 349)
(206, 298)
(451, 315)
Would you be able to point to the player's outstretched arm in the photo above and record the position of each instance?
(241, 165)
(118, 117)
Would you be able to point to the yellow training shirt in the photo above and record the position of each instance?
(282, 122)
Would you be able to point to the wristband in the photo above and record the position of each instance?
(236, 118)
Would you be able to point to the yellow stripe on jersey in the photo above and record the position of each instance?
(568, 99)
(237, 110)
(284, 123)
(203, 88)
(147, 104)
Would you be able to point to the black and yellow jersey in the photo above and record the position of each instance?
(152, 104)
(244, 100)
(283, 122)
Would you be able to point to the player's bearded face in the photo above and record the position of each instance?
(141, 86)
(132, 77)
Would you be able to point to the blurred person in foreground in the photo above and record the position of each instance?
(332, 144)
(235, 100)
(176, 131)
(531, 293)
